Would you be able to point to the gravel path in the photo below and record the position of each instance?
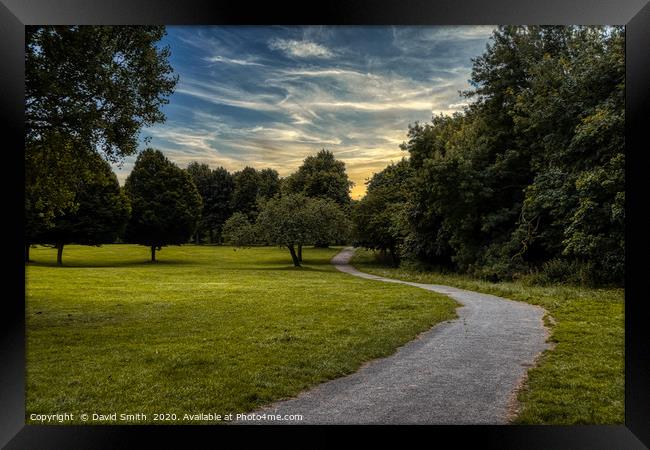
(465, 371)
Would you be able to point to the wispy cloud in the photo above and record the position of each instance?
(300, 49)
(220, 94)
(239, 62)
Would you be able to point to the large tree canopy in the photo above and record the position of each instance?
(165, 203)
(87, 89)
(99, 84)
(52, 168)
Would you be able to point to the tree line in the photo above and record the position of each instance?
(162, 204)
(529, 179)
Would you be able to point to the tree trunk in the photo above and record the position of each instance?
(59, 254)
(153, 253)
(197, 239)
(300, 252)
(394, 258)
(27, 246)
(294, 257)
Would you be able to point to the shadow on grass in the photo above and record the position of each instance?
(110, 264)
(283, 268)
(281, 261)
(272, 265)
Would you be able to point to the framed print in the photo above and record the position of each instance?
(366, 216)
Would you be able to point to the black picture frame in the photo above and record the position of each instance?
(635, 14)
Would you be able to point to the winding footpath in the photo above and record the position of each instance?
(464, 371)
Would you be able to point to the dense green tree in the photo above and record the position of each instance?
(166, 205)
(330, 223)
(443, 190)
(46, 196)
(101, 84)
(573, 118)
(200, 175)
(294, 220)
(245, 193)
(100, 214)
(286, 221)
(269, 183)
(216, 188)
(321, 175)
(251, 187)
(378, 222)
(219, 201)
(239, 231)
(87, 89)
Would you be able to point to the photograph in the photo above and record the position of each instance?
(273, 224)
(324, 224)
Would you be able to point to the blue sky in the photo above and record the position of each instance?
(270, 96)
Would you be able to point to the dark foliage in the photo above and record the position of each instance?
(165, 204)
(100, 213)
(530, 176)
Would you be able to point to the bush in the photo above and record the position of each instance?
(561, 271)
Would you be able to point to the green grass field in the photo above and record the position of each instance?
(581, 380)
(206, 329)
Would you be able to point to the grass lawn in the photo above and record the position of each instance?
(206, 329)
(581, 380)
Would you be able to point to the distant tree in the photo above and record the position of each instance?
(238, 230)
(321, 175)
(200, 175)
(294, 220)
(166, 205)
(244, 197)
(378, 217)
(287, 221)
(100, 214)
(269, 183)
(330, 223)
(219, 202)
(87, 89)
(216, 188)
(33, 223)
